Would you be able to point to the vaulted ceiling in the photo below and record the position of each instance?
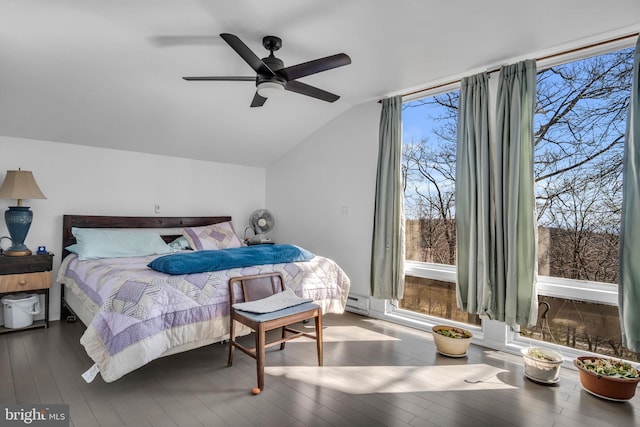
(107, 73)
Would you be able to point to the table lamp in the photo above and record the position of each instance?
(19, 185)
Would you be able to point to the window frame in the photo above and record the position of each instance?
(582, 290)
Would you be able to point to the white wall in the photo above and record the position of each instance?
(95, 181)
(322, 191)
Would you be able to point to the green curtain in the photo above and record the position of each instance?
(387, 253)
(629, 288)
(515, 298)
(474, 197)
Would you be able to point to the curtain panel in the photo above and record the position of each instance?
(629, 286)
(387, 253)
(474, 198)
(515, 298)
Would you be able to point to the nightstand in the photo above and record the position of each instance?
(29, 274)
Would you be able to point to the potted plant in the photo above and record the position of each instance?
(607, 378)
(451, 341)
(541, 364)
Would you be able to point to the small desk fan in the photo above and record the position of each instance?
(261, 222)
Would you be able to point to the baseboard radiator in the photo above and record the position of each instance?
(358, 304)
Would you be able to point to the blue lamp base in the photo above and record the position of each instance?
(18, 219)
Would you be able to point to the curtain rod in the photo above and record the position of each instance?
(553, 55)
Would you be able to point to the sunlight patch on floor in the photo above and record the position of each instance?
(353, 333)
(396, 379)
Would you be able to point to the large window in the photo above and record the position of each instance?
(580, 119)
(428, 166)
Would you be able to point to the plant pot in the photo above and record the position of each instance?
(450, 346)
(542, 365)
(605, 386)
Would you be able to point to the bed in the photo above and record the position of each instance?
(135, 314)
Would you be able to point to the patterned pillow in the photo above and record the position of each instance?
(211, 237)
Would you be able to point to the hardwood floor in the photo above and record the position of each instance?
(375, 374)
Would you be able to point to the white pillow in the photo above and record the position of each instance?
(95, 243)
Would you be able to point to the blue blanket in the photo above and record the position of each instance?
(224, 259)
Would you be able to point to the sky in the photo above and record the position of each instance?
(415, 125)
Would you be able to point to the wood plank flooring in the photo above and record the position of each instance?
(375, 374)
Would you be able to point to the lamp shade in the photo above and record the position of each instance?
(20, 185)
(270, 89)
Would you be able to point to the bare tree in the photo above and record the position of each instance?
(585, 234)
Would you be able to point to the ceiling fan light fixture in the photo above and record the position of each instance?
(270, 89)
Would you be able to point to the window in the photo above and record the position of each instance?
(428, 166)
(434, 298)
(580, 121)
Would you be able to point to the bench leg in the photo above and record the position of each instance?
(232, 340)
(319, 337)
(260, 354)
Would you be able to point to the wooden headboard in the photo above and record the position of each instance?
(94, 221)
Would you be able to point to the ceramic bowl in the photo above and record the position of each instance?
(454, 347)
(544, 370)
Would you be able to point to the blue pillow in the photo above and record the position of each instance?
(93, 243)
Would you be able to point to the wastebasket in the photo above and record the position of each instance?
(19, 310)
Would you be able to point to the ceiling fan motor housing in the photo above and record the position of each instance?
(272, 43)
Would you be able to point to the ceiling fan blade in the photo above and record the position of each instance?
(305, 89)
(222, 78)
(258, 101)
(247, 54)
(312, 67)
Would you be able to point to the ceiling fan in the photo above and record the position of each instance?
(272, 77)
